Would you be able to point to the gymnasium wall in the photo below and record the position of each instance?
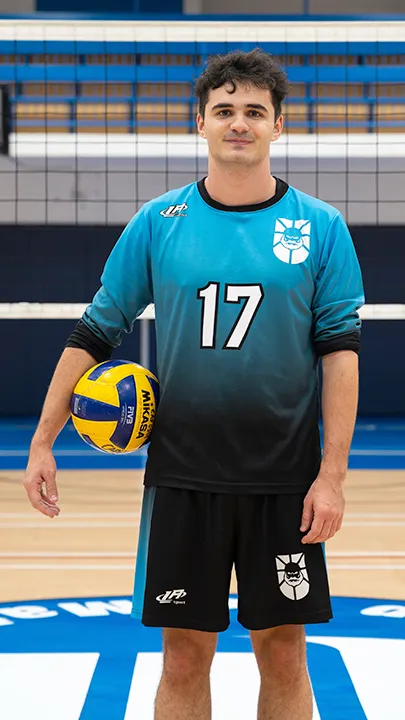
(17, 6)
(110, 6)
(296, 7)
(214, 7)
(62, 263)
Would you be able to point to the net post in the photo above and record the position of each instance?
(4, 120)
(145, 342)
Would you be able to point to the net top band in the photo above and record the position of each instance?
(205, 31)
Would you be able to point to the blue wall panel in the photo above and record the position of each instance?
(63, 263)
(92, 6)
(30, 351)
(110, 6)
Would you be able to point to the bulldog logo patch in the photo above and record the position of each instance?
(293, 577)
(292, 240)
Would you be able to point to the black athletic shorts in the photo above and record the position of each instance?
(189, 542)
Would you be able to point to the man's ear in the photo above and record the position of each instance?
(278, 128)
(200, 125)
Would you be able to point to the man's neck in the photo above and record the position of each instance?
(236, 186)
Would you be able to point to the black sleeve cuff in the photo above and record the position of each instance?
(82, 337)
(350, 341)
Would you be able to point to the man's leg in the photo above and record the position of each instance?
(184, 690)
(285, 690)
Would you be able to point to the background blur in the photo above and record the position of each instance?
(101, 118)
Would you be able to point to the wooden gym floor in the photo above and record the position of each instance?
(90, 549)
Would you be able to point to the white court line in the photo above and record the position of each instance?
(68, 677)
(332, 566)
(132, 554)
(134, 515)
(73, 554)
(363, 554)
(377, 516)
(61, 566)
(101, 515)
(234, 684)
(376, 523)
(58, 523)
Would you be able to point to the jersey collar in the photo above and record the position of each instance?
(281, 189)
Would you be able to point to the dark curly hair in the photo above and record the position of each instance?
(255, 67)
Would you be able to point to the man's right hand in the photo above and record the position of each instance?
(40, 482)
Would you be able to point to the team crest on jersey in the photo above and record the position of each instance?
(291, 240)
(292, 576)
(174, 211)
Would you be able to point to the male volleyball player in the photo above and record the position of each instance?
(253, 281)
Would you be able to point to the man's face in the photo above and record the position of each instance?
(239, 126)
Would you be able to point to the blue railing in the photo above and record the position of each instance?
(361, 48)
(150, 73)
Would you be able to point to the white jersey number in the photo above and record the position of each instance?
(253, 294)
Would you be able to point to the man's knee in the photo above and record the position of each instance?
(187, 655)
(281, 650)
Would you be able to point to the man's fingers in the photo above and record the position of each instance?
(326, 532)
(333, 530)
(336, 525)
(51, 488)
(323, 529)
(315, 530)
(51, 494)
(307, 515)
(40, 503)
(40, 482)
(34, 485)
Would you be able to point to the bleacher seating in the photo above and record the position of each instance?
(79, 88)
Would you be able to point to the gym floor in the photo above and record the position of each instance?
(89, 552)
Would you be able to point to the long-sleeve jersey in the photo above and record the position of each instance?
(247, 299)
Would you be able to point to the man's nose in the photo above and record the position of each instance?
(239, 124)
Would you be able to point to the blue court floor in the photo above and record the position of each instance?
(377, 444)
(85, 659)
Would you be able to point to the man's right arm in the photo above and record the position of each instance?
(41, 468)
(126, 289)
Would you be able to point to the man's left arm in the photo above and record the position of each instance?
(324, 503)
(336, 324)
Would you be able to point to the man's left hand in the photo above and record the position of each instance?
(323, 510)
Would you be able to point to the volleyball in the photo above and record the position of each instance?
(114, 404)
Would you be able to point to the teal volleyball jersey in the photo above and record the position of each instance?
(246, 299)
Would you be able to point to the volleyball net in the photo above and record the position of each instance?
(102, 114)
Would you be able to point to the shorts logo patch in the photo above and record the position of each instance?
(172, 596)
(293, 576)
(291, 240)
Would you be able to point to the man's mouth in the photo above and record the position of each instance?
(239, 142)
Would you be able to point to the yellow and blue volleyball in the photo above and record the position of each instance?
(114, 405)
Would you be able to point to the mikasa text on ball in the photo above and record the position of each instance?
(114, 404)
